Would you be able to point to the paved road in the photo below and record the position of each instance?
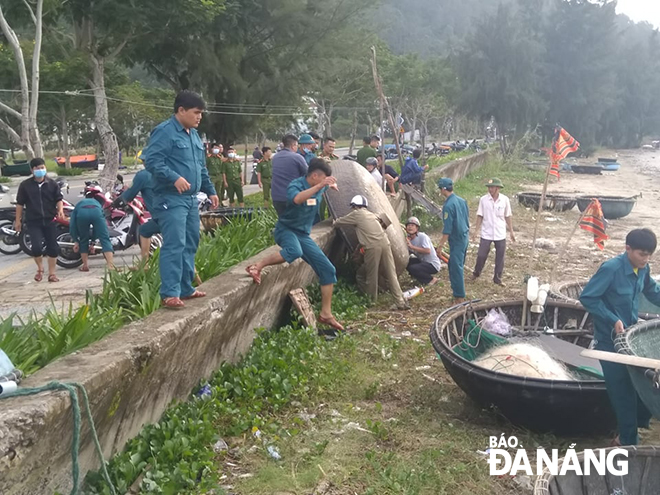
(20, 294)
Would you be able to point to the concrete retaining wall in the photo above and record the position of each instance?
(132, 375)
(457, 169)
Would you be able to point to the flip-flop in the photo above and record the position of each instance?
(173, 303)
(53, 278)
(255, 273)
(331, 322)
(39, 276)
(194, 295)
(83, 269)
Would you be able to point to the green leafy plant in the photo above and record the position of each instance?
(176, 454)
(33, 342)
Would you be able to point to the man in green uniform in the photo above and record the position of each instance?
(214, 164)
(368, 149)
(456, 227)
(612, 299)
(232, 174)
(265, 173)
(378, 256)
(328, 151)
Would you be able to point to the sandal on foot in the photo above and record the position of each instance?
(53, 278)
(39, 276)
(331, 322)
(255, 273)
(173, 303)
(194, 295)
(84, 268)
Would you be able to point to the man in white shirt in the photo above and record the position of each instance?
(493, 220)
(426, 263)
(372, 168)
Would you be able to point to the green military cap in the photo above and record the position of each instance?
(305, 139)
(494, 182)
(445, 183)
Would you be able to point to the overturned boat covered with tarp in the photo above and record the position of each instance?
(537, 400)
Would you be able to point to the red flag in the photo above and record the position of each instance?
(563, 144)
(594, 222)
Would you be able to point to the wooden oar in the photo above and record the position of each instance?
(613, 357)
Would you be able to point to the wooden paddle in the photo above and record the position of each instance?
(613, 357)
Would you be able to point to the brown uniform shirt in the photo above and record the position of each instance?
(369, 231)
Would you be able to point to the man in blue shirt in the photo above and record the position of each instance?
(176, 159)
(143, 185)
(412, 172)
(287, 165)
(292, 234)
(612, 298)
(455, 230)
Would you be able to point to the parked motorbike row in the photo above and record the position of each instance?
(124, 221)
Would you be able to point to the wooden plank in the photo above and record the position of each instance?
(422, 199)
(303, 306)
(568, 353)
(614, 357)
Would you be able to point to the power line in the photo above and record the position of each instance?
(169, 107)
(221, 108)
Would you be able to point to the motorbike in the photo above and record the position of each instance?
(124, 222)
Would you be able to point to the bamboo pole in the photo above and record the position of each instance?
(384, 104)
(565, 246)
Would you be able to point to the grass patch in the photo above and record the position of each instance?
(4, 180)
(69, 172)
(126, 296)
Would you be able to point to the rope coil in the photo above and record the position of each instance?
(73, 389)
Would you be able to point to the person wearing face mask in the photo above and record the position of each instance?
(306, 145)
(41, 199)
(233, 177)
(214, 164)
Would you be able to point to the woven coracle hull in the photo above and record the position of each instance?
(577, 407)
(643, 340)
(552, 202)
(570, 291)
(643, 477)
(352, 179)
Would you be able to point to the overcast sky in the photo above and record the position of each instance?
(641, 10)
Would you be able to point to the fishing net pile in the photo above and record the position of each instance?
(523, 359)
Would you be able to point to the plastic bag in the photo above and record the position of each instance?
(496, 322)
(6, 365)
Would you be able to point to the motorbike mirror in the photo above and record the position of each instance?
(107, 196)
(4, 188)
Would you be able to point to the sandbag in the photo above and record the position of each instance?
(352, 179)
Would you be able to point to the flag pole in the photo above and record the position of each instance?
(542, 201)
(565, 246)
